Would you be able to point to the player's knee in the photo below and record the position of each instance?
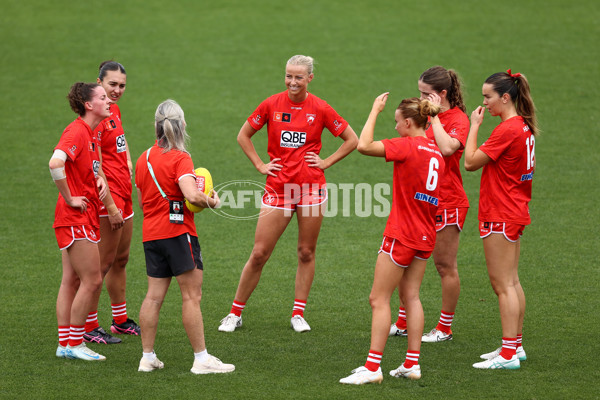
(376, 300)
(193, 296)
(446, 268)
(259, 256)
(306, 254)
(499, 287)
(153, 301)
(121, 260)
(409, 297)
(93, 284)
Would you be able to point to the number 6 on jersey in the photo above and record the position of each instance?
(432, 177)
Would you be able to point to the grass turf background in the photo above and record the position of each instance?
(219, 60)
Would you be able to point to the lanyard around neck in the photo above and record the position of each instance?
(152, 174)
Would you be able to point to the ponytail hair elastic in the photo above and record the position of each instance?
(516, 75)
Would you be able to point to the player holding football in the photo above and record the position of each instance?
(449, 129)
(116, 222)
(74, 167)
(508, 161)
(164, 177)
(295, 121)
(409, 235)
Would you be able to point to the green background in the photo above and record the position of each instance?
(219, 60)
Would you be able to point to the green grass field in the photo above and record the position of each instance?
(219, 60)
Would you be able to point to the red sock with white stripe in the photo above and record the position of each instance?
(119, 312)
(401, 322)
(412, 358)
(91, 322)
(237, 307)
(63, 335)
(509, 348)
(373, 360)
(76, 335)
(445, 322)
(299, 306)
(519, 340)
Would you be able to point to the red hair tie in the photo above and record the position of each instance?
(513, 75)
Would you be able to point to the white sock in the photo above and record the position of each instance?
(149, 356)
(201, 356)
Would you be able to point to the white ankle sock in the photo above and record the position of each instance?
(201, 356)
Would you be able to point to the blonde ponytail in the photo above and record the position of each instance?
(170, 126)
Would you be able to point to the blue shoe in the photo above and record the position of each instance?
(81, 352)
(61, 351)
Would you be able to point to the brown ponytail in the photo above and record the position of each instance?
(440, 78)
(80, 93)
(517, 86)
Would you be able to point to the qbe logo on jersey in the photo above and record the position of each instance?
(121, 144)
(292, 139)
(96, 167)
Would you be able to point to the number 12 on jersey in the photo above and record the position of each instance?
(530, 144)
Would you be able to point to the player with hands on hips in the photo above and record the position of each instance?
(295, 182)
(75, 168)
(508, 161)
(409, 235)
(449, 129)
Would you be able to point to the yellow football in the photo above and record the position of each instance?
(205, 184)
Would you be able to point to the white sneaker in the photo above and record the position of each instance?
(149, 366)
(81, 352)
(211, 366)
(499, 362)
(230, 323)
(520, 354)
(61, 351)
(299, 324)
(362, 375)
(436, 336)
(413, 372)
(395, 331)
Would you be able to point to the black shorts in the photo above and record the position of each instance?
(171, 257)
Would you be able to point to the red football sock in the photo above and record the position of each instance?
(91, 321)
(119, 312)
(509, 348)
(401, 322)
(373, 360)
(299, 306)
(445, 322)
(237, 307)
(76, 335)
(412, 358)
(519, 340)
(63, 335)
